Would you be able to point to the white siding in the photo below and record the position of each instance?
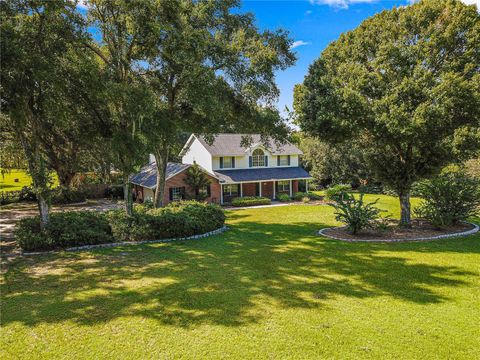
(197, 153)
(241, 162)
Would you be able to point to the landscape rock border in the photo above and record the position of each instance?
(124, 243)
(475, 229)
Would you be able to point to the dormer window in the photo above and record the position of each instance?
(258, 158)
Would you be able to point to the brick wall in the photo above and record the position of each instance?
(179, 181)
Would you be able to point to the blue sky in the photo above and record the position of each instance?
(314, 24)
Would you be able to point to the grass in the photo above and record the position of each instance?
(267, 288)
(7, 182)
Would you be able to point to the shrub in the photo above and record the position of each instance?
(336, 192)
(63, 195)
(64, 230)
(448, 199)
(355, 213)
(27, 194)
(283, 198)
(178, 219)
(299, 196)
(250, 201)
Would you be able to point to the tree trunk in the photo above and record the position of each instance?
(405, 220)
(65, 178)
(127, 191)
(43, 207)
(161, 160)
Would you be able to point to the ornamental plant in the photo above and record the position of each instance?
(449, 198)
(355, 213)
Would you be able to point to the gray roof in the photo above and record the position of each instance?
(262, 174)
(230, 145)
(147, 177)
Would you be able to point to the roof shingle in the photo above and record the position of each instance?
(262, 174)
(147, 177)
(230, 145)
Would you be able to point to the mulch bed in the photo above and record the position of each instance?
(420, 229)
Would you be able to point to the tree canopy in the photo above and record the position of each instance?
(406, 86)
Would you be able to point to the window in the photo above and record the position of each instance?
(228, 162)
(283, 160)
(204, 191)
(258, 158)
(283, 186)
(230, 189)
(177, 193)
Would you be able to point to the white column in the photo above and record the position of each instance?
(291, 188)
(260, 189)
(241, 189)
(306, 186)
(274, 195)
(221, 194)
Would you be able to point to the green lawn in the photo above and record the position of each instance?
(7, 182)
(267, 288)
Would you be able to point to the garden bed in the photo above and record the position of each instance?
(420, 230)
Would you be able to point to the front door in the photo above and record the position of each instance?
(257, 189)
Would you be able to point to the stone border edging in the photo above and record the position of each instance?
(475, 229)
(125, 243)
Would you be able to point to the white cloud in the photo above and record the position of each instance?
(343, 4)
(299, 43)
(308, 12)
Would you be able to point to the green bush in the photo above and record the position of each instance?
(63, 195)
(64, 230)
(448, 199)
(178, 219)
(355, 213)
(337, 191)
(283, 198)
(299, 196)
(27, 194)
(251, 201)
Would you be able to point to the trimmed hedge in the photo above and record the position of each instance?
(64, 230)
(283, 198)
(178, 219)
(300, 196)
(250, 201)
(69, 229)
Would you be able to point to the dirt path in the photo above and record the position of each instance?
(9, 216)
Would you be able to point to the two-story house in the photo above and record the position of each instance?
(234, 170)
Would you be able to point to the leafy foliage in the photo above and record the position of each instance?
(404, 86)
(298, 196)
(250, 201)
(178, 219)
(337, 191)
(64, 230)
(283, 198)
(449, 198)
(355, 213)
(197, 179)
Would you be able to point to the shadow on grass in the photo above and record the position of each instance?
(232, 279)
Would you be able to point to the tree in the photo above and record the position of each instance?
(405, 85)
(121, 50)
(211, 71)
(197, 179)
(36, 36)
(333, 163)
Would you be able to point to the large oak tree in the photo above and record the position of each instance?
(406, 86)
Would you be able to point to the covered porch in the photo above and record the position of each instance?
(269, 189)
